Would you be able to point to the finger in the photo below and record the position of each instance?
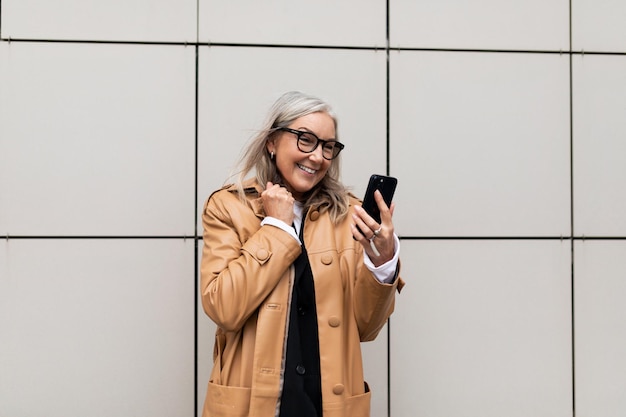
(356, 233)
(365, 222)
(276, 190)
(368, 244)
(385, 213)
(362, 229)
(380, 201)
(367, 231)
(269, 187)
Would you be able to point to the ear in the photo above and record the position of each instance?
(270, 145)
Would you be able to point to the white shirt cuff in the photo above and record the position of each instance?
(386, 272)
(272, 221)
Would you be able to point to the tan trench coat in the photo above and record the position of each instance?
(246, 279)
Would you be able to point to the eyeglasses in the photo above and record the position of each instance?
(308, 142)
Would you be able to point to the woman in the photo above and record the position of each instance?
(290, 275)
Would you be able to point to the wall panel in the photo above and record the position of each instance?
(95, 140)
(600, 317)
(279, 22)
(96, 327)
(483, 328)
(486, 24)
(127, 20)
(598, 26)
(480, 143)
(599, 91)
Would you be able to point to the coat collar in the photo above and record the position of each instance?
(253, 191)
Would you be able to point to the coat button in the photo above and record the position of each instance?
(300, 370)
(334, 321)
(262, 254)
(327, 259)
(314, 215)
(338, 389)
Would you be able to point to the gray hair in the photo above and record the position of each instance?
(330, 192)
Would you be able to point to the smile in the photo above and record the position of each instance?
(308, 170)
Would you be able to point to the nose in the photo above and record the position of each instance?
(317, 154)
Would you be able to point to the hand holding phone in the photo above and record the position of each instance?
(386, 186)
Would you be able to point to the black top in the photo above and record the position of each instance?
(302, 389)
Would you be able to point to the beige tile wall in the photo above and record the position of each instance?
(502, 120)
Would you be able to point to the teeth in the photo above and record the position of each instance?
(309, 170)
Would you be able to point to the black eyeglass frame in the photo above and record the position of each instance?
(336, 144)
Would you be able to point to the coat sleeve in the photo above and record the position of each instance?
(242, 262)
(373, 301)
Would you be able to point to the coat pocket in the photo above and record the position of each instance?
(355, 406)
(359, 405)
(223, 401)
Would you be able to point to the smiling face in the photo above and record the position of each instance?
(302, 171)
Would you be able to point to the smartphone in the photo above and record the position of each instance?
(386, 185)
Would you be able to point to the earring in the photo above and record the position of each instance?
(272, 155)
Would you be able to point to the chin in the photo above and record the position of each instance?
(308, 188)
